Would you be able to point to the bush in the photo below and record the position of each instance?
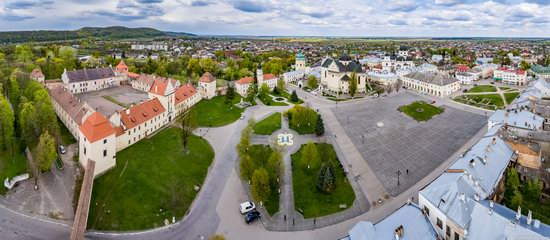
(319, 126)
(326, 180)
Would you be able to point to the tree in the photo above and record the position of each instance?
(229, 94)
(260, 185)
(251, 93)
(28, 121)
(326, 178)
(246, 167)
(216, 237)
(533, 189)
(188, 123)
(281, 85)
(264, 91)
(525, 65)
(517, 200)
(275, 163)
(312, 82)
(398, 85)
(319, 126)
(294, 97)
(46, 152)
(7, 119)
(511, 183)
(310, 155)
(23, 53)
(353, 84)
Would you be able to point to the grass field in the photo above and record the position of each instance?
(307, 197)
(268, 125)
(487, 101)
(153, 180)
(216, 113)
(113, 100)
(420, 110)
(482, 88)
(286, 95)
(260, 154)
(510, 97)
(11, 166)
(268, 101)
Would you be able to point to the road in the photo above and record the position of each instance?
(214, 208)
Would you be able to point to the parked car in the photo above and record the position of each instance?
(465, 90)
(62, 149)
(242, 117)
(433, 102)
(492, 82)
(247, 207)
(251, 217)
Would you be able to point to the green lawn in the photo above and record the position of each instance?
(113, 100)
(482, 88)
(11, 166)
(286, 95)
(420, 110)
(66, 136)
(302, 120)
(504, 88)
(216, 113)
(487, 101)
(268, 125)
(269, 101)
(510, 96)
(139, 192)
(260, 154)
(307, 197)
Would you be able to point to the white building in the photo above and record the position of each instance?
(371, 62)
(269, 79)
(69, 108)
(465, 78)
(510, 76)
(243, 85)
(392, 62)
(429, 83)
(336, 73)
(487, 69)
(37, 75)
(152, 47)
(207, 85)
(97, 141)
(87, 80)
(382, 77)
(300, 61)
(437, 58)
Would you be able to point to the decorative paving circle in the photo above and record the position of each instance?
(285, 139)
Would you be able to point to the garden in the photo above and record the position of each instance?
(268, 125)
(320, 185)
(154, 180)
(487, 101)
(420, 110)
(482, 88)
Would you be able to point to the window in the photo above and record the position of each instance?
(128, 142)
(105, 153)
(457, 237)
(439, 223)
(427, 210)
(105, 141)
(84, 151)
(448, 231)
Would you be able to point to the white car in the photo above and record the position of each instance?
(242, 117)
(247, 207)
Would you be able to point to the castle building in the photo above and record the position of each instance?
(87, 80)
(207, 85)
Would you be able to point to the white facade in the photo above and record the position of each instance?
(336, 75)
(465, 78)
(88, 80)
(208, 90)
(383, 77)
(432, 84)
(153, 47)
(510, 76)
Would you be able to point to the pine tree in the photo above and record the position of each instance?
(294, 97)
(353, 84)
(319, 126)
(326, 179)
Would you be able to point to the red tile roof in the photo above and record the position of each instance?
(207, 78)
(184, 92)
(121, 65)
(36, 73)
(245, 80)
(141, 113)
(269, 76)
(133, 75)
(75, 108)
(160, 84)
(96, 127)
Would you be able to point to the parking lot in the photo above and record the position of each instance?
(390, 141)
(125, 95)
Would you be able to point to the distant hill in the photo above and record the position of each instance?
(106, 33)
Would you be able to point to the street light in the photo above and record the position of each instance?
(398, 173)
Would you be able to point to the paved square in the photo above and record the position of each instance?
(123, 94)
(402, 143)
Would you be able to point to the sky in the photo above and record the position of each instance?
(364, 18)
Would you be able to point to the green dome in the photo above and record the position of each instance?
(300, 56)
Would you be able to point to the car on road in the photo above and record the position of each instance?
(433, 102)
(62, 149)
(492, 82)
(242, 117)
(247, 207)
(251, 217)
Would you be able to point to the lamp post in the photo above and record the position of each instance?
(398, 173)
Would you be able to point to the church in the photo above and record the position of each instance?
(336, 75)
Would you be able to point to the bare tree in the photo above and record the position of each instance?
(398, 85)
(187, 122)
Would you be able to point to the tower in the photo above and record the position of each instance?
(300, 61)
(259, 74)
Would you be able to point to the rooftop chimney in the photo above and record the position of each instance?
(529, 218)
(462, 197)
(518, 214)
(476, 197)
(491, 203)
(472, 162)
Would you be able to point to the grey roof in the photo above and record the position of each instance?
(415, 226)
(90, 74)
(345, 57)
(352, 66)
(518, 118)
(432, 78)
(403, 48)
(500, 222)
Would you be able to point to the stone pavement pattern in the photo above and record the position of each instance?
(402, 143)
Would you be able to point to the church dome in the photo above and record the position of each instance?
(345, 57)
